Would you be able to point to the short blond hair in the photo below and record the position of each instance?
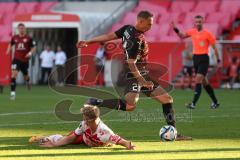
(90, 111)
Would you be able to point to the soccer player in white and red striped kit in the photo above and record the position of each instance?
(91, 132)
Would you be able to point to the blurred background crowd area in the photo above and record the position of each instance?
(64, 22)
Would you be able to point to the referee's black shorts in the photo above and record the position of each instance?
(201, 63)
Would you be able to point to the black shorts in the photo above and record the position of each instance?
(132, 85)
(201, 63)
(20, 66)
(187, 70)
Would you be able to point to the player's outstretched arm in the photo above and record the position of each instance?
(134, 70)
(61, 142)
(98, 39)
(127, 144)
(178, 32)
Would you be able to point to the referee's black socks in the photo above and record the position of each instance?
(169, 114)
(117, 104)
(197, 93)
(13, 84)
(210, 92)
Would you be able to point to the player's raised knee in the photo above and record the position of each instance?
(168, 98)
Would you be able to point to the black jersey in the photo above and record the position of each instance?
(134, 45)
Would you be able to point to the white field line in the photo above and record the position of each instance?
(51, 112)
(31, 124)
(53, 123)
(24, 113)
(190, 119)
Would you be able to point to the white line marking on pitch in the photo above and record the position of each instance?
(29, 124)
(50, 123)
(24, 113)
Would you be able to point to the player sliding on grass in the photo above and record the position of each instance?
(138, 80)
(91, 132)
(201, 39)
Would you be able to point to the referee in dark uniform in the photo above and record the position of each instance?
(201, 39)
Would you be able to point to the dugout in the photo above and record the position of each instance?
(53, 29)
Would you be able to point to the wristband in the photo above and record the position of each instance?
(176, 30)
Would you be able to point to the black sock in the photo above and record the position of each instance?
(210, 92)
(13, 84)
(197, 93)
(169, 114)
(117, 104)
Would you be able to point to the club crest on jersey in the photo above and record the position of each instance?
(25, 40)
(201, 43)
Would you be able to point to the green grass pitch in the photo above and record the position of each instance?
(216, 133)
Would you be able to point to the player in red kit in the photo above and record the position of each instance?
(91, 132)
(24, 47)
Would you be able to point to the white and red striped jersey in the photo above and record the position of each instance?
(101, 137)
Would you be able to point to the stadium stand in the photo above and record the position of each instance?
(219, 18)
(11, 9)
(182, 12)
(182, 6)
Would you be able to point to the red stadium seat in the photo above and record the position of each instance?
(26, 7)
(232, 6)
(155, 9)
(46, 6)
(223, 18)
(207, 6)
(5, 30)
(236, 37)
(6, 38)
(129, 18)
(115, 27)
(1, 18)
(163, 29)
(152, 32)
(214, 28)
(169, 17)
(8, 19)
(7, 7)
(182, 6)
(165, 3)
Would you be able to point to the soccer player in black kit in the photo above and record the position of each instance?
(135, 50)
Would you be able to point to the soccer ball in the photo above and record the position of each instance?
(168, 133)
